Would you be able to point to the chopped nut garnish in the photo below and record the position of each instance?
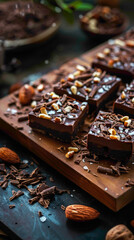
(112, 131)
(125, 118)
(110, 62)
(123, 95)
(82, 108)
(68, 109)
(80, 68)
(45, 116)
(78, 83)
(96, 79)
(75, 149)
(74, 89)
(43, 110)
(130, 43)
(100, 55)
(96, 74)
(62, 80)
(119, 42)
(40, 88)
(127, 123)
(114, 137)
(69, 154)
(55, 96)
(57, 119)
(70, 77)
(88, 90)
(76, 73)
(55, 106)
(115, 59)
(33, 104)
(106, 51)
(133, 100)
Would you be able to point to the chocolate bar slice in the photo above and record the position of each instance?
(58, 116)
(125, 103)
(87, 84)
(118, 57)
(112, 135)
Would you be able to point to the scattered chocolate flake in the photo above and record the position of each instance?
(129, 183)
(2, 169)
(11, 206)
(63, 207)
(77, 162)
(23, 118)
(16, 195)
(40, 214)
(105, 170)
(61, 149)
(51, 179)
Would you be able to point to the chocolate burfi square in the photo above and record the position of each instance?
(87, 84)
(59, 116)
(112, 135)
(118, 56)
(125, 103)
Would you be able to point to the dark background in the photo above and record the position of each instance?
(68, 43)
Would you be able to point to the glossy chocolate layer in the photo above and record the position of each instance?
(91, 85)
(110, 136)
(62, 116)
(125, 103)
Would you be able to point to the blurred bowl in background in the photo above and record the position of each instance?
(104, 22)
(24, 23)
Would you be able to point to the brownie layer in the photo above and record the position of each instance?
(125, 103)
(112, 135)
(91, 85)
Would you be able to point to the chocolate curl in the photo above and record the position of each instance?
(34, 200)
(105, 170)
(49, 192)
(129, 183)
(16, 195)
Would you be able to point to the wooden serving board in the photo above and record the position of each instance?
(109, 190)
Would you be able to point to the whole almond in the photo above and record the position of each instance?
(7, 155)
(119, 232)
(25, 94)
(81, 213)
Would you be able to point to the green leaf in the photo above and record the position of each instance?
(79, 5)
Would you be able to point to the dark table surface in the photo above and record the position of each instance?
(68, 43)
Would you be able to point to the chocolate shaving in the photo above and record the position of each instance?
(11, 206)
(93, 92)
(129, 183)
(16, 195)
(22, 118)
(40, 214)
(105, 170)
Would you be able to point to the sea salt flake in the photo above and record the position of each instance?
(43, 219)
(85, 168)
(106, 189)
